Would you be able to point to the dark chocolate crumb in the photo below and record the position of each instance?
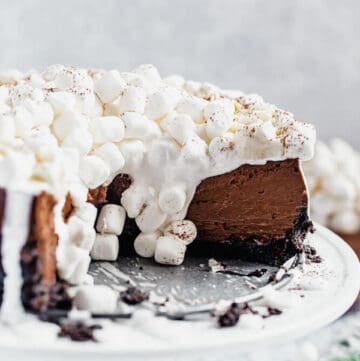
(78, 331)
(257, 273)
(230, 317)
(133, 296)
(272, 311)
(311, 254)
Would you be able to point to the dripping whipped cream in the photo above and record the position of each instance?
(15, 231)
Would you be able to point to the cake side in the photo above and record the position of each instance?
(256, 212)
(40, 284)
(38, 256)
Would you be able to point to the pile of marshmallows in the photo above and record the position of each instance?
(71, 130)
(333, 178)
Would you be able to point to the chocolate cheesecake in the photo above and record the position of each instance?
(98, 164)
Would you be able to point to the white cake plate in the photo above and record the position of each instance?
(314, 298)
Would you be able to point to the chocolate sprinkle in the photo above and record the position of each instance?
(134, 296)
(78, 331)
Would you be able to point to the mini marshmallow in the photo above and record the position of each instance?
(106, 247)
(67, 122)
(150, 218)
(170, 251)
(194, 149)
(150, 75)
(193, 107)
(263, 111)
(23, 121)
(222, 146)
(109, 86)
(139, 126)
(16, 167)
(43, 113)
(61, 101)
(87, 103)
(181, 127)
(132, 100)
(133, 199)
(69, 77)
(184, 231)
(93, 171)
(133, 153)
(300, 142)
(159, 104)
(111, 155)
(265, 131)
(79, 139)
(111, 219)
(145, 244)
(42, 143)
(107, 129)
(133, 79)
(81, 233)
(172, 199)
(96, 299)
(219, 116)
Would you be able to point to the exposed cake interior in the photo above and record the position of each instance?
(162, 162)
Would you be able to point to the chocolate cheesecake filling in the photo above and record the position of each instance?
(256, 212)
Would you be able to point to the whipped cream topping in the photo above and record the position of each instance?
(333, 178)
(70, 130)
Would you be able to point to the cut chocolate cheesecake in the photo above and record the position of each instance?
(256, 212)
(93, 162)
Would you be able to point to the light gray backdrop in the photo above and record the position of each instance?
(302, 55)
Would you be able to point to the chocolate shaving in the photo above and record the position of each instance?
(232, 315)
(134, 296)
(311, 255)
(257, 273)
(78, 331)
(272, 311)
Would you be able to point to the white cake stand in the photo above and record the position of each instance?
(315, 298)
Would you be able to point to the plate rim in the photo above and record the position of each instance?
(351, 286)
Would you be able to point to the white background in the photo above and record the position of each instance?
(301, 55)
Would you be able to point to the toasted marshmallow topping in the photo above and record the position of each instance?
(333, 178)
(70, 130)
